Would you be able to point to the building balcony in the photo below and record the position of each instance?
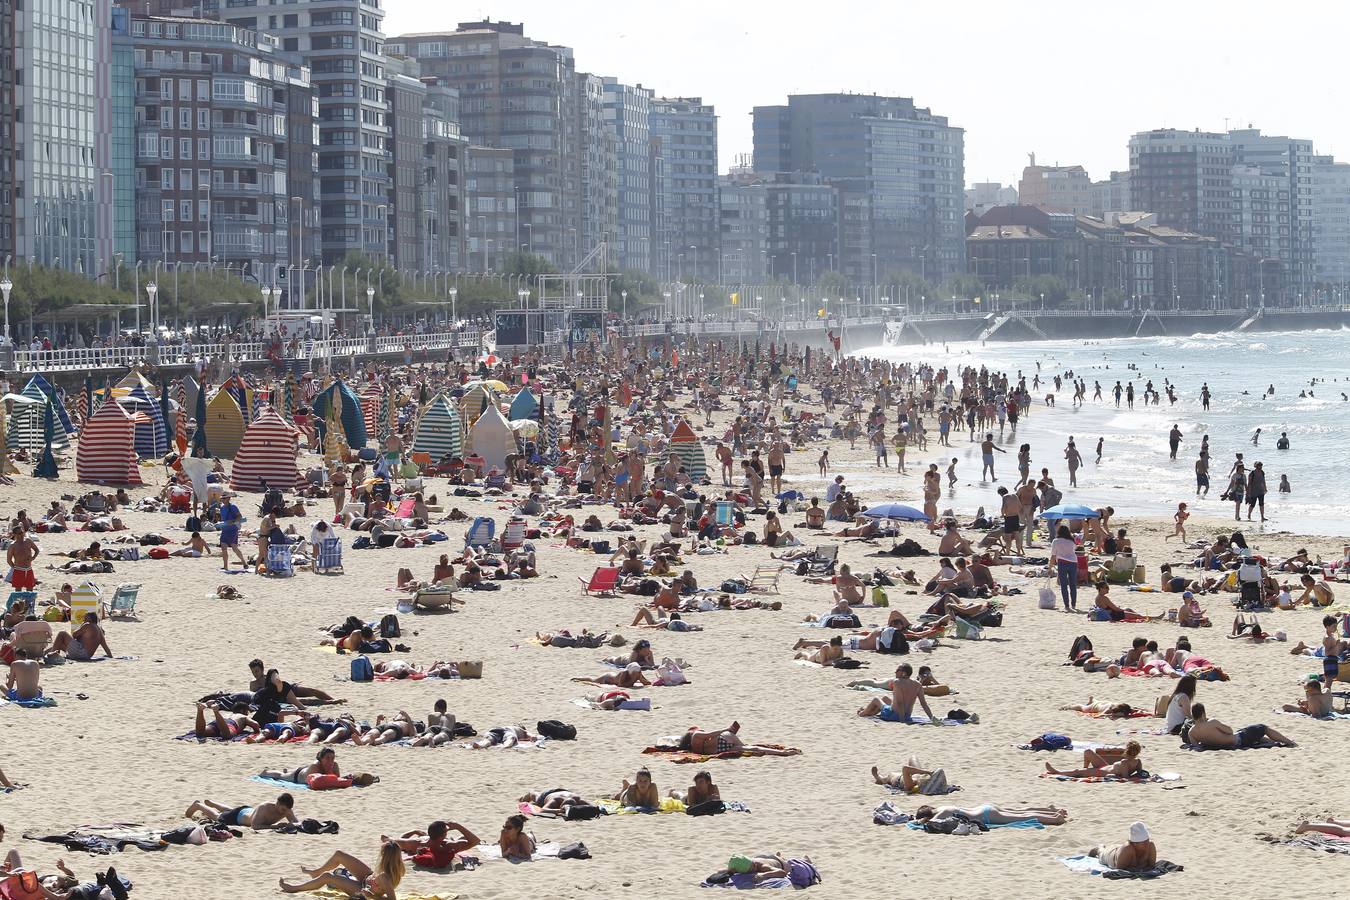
(240, 188)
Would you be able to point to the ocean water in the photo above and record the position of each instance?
(1135, 474)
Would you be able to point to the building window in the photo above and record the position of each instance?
(166, 179)
(166, 210)
(185, 239)
(185, 210)
(185, 148)
(203, 119)
(203, 211)
(203, 148)
(185, 179)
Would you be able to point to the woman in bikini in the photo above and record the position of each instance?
(992, 814)
(325, 763)
(513, 842)
(725, 740)
(1099, 765)
(641, 792)
(347, 875)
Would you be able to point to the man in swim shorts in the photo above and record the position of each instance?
(905, 691)
(230, 520)
(263, 816)
(20, 555)
(84, 642)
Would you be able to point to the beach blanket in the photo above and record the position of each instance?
(668, 805)
(1092, 866)
(1327, 718)
(338, 895)
(921, 719)
(1155, 778)
(1327, 843)
(1031, 824)
(746, 882)
(12, 699)
(1137, 714)
(644, 704)
(687, 756)
(412, 676)
(546, 850)
(1201, 748)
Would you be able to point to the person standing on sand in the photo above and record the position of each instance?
(20, 555)
(1174, 440)
(1256, 491)
(1101, 442)
(987, 448)
(1074, 459)
(1237, 487)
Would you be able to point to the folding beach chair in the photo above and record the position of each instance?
(726, 513)
(123, 602)
(421, 459)
(823, 560)
(765, 579)
(514, 535)
(35, 638)
(967, 630)
(279, 560)
(481, 532)
(435, 598)
(330, 556)
(604, 580)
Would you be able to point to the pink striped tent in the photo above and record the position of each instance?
(267, 453)
(107, 449)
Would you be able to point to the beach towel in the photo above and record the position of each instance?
(1137, 714)
(668, 805)
(1146, 778)
(1093, 866)
(1327, 718)
(1201, 748)
(546, 850)
(1031, 824)
(645, 704)
(746, 882)
(1327, 843)
(412, 676)
(921, 719)
(11, 698)
(687, 756)
(887, 814)
(277, 782)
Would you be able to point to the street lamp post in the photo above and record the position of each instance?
(5, 287)
(624, 295)
(370, 298)
(151, 290)
(454, 316)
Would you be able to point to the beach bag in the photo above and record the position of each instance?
(389, 626)
(362, 670)
(1097, 614)
(879, 597)
(1080, 643)
(581, 811)
(706, 808)
(848, 662)
(1046, 598)
(470, 668)
(558, 731)
(130, 554)
(158, 553)
(1051, 741)
(574, 851)
(802, 873)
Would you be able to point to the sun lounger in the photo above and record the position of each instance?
(604, 580)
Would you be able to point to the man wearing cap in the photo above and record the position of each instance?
(1137, 855)
(230, 519)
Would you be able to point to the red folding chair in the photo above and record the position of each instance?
(604, 580)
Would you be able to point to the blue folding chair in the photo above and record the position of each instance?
(481, 532)
(330, 556)
(279, 560)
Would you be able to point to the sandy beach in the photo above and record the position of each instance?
(112, 758)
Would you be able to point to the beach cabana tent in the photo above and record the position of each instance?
(353, 421)
(524, 405)
(40, 388)
(438, 431)
(189, 387)
(267, 453)
(684, 444)
(151, 440)
(224, 425)
(107, 449)
(242, 394)
(493, 439)
(24, 428)
(474, 402)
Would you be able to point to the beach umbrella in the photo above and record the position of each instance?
(1070, 511)
(46, 467)
(85, 402)
(898, 511)
(199, 435)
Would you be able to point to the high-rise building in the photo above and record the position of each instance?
(745, 227)
(444, 158)
(598, 175)
(60, 79)
(1260, 205)
(1331, 223)
(223, 147)
(406, 95)
(1111, 195)
(118, 200)
(521, 95)
(802, 216)
(8, 130)
(1056, 188)
(687, 222)
(1184, 177)
(1290, 160)
(907, 161)
(491, 221)
(628, 110)
(342, 44)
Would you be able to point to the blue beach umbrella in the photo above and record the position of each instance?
(46, 467)
(199, 433)
(1072, 512)
(898, 511)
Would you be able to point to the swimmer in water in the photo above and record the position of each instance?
(1284, 485)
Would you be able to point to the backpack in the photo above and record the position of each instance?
(1051, 741)
(803, 567)
(802, 873)
(581, 811)
(362, 670)
(558, 731)
(389, 626)
(649, 587)
(706, 808)
(352, 624)
(1079, 644)
(574, 851)
(158, 553)
(848, 662)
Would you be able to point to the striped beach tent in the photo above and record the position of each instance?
(684, 444)
(187, 392)
(370, 408)
(353, 421)
(438, 432)
(40, 388)
(107, 450)
(151, 440)
(493, 439)
(24, 430)
(242, 394)
(129, 382)
(524, 405)
(474, 403)
(267, 453)
(224, 425)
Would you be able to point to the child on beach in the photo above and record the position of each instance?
(1179, 518)
(951, 474)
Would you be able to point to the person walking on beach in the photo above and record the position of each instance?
(1129, 395)
(1179, 518)
(1074, 459)
(1174, 440)
(1237, 488)
(1256, 491)
(1101, 442)
(1202, 476)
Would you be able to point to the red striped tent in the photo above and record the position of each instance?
(370, 405)
(107, 449)
(267, 453)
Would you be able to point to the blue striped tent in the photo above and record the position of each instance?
(40, 388)
(353, 420)
(524, 406)
(438, 432)
(151, 440)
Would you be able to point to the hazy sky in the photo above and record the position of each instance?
(1070, 81)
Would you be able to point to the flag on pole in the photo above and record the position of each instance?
(735, 299)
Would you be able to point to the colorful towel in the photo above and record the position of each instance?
(1093, 866)
(668, 805)
(687, 756)
(277, 782)
(1327, 843)
(1155, 778)
(921, 719)
(414, 676)
(12, 699)
(1137, 714)
(1030, 823)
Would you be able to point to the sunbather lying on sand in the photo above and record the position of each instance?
(225, 725)
(263, 816)
(725, 740)
(629, 677)
(991, 814)
(1102, 765)
(1102, 708)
